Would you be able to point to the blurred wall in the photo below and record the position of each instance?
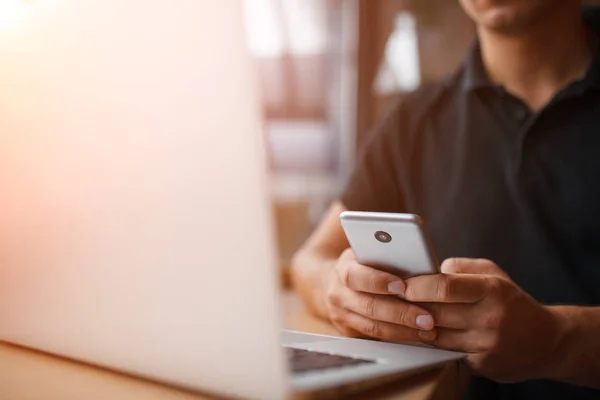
(443, 32)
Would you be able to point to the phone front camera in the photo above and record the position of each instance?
(383, 237)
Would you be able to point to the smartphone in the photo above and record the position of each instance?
(395, 243)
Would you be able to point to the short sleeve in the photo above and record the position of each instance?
(374, 185)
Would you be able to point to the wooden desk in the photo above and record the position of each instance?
(29, 375)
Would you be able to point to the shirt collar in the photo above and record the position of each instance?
(474, 75)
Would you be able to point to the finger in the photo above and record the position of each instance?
(348, 254)
(388, 309)
(385, 330)
(447, 288)
(468, 341)
(364, 279)
(451, 315)
(471, 266)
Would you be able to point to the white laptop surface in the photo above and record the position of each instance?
(135, 227)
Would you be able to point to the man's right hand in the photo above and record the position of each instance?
(364, 302)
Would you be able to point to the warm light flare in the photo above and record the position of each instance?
(11, 11)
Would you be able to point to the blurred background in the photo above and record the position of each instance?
(327, 70)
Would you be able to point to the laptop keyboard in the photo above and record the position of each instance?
(307, 360)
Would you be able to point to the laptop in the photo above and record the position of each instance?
(135, 225)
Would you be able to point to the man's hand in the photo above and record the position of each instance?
(479, 310)
(362, 301)
(472, 306)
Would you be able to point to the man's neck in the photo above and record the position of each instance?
(536, 64)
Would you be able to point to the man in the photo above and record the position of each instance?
(502, 161)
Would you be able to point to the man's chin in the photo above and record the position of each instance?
(504, 19)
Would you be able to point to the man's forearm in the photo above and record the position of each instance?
(310, 272)
(577, 359)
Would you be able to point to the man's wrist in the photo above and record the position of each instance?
(310, 276)
(560, 365)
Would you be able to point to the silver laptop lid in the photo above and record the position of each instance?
(135, 228)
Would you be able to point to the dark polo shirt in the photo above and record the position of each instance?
(494, 180)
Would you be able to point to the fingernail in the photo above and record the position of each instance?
(427, 336)
(425, 321)
(396, 287)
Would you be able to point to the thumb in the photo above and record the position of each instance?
(477, 266)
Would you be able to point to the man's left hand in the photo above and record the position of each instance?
(479, 310)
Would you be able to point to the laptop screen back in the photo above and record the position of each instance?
(135, 228)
